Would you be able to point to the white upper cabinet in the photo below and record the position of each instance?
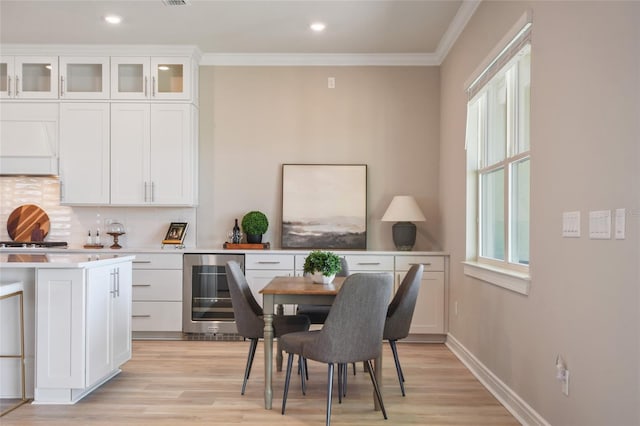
(29, 77)
(151, 78)
(153, 154)
(84, 77)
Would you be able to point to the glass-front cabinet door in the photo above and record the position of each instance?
(161, 78)
(29, 77)
(171, 78)
(84, 77)
(130, 77)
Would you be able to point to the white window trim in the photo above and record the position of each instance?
(507, 278)
(501, 277)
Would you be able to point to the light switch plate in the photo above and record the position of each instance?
(571, 224)
(600, 225)
(620, 224)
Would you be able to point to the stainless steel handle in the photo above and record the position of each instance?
(9, 86)
(268, 262)
(152, 191)
(113, 282)
(118, 282)
(368, 263)
(153, 87)
(141, 285)
(140, 316)
(141, 261)
(17, 90)
(146, 86)
(61, 86)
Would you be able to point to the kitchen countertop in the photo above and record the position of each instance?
(59, 260)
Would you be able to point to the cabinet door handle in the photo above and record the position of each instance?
(118, 282)
(113, 283)
(146, 86)
(268, 262)
(141, 316)
(17, 86)
(368, 263)
(153, 87)
(141, 261)
(141, 285)
(61, 86)
(9, 86)
(152, 188)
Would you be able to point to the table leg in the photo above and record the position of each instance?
(280, 311)
(268, 350)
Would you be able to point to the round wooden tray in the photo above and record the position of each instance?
(24, 220)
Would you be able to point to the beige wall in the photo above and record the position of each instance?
(254, 119)
(584, 302)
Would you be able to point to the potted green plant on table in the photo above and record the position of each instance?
(322, 265)
(254, 224)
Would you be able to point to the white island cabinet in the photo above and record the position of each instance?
(82, 326)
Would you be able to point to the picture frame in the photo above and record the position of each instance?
(324, 206)
(175, 233)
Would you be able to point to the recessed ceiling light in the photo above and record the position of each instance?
(113, 19)
(318, 26)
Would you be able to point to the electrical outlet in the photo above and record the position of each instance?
(331, 82)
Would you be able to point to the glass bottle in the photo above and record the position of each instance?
(236, 233)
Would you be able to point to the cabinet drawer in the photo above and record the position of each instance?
(369, 263)
(431, 263)
(158, 285)
(156, 316)
(268, 261)
(158, 261)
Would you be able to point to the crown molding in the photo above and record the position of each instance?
(100, 50)
(319, 59)
(459, 22)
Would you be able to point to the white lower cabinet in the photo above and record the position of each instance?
(429, 314)
(262, 268)
(157, 293)
(83, 318)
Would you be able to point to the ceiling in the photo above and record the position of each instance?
(418, 30)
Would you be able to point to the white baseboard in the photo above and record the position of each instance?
(507, 397)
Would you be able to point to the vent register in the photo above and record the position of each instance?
(176, 2)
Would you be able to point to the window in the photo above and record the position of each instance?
(498, 166)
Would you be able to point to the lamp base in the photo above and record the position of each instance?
(404, 235)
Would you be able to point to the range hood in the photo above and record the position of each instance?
(28, 138)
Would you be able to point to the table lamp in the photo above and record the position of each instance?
(403, 210)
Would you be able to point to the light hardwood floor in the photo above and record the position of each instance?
(198, 382)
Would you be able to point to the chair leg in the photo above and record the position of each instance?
(341, 368)
(345, 373)
(394, 349)
(304, 376)
(247, 369)
(354, 368)
(286, 382)
(329, 390)
(376, 388)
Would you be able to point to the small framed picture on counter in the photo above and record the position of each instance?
(175, 233)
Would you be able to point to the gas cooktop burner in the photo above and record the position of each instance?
(32, 244)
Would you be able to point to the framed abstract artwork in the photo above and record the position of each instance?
(324, 206)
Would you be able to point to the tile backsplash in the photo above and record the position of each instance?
(144, 226)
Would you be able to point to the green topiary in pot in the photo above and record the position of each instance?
(254, 224)
(324, 262)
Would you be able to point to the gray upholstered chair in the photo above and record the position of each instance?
(400, 313)
(318, 313)
(361, 303)
(248, 315)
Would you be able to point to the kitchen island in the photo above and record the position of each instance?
(77, 313)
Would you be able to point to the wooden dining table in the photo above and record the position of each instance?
(296, 290)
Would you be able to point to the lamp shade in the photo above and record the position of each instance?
(403, 208)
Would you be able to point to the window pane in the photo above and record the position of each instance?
(492, 214)
(520, 212)
(524, 91)
(497, 120)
